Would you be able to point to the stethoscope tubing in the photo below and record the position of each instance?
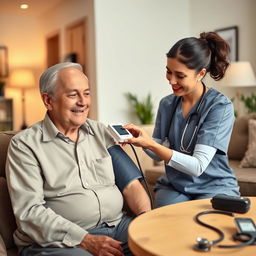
(236, 236)
(182, 147)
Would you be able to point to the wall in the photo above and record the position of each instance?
(132, 38)
(209, 15)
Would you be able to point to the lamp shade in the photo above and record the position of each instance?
(22, 78)
(239, 74)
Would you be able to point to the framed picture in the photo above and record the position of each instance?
(230, 34)
(3, 61)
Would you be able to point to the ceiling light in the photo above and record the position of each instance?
(24, 6)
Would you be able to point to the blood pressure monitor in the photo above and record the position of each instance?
(119, 133)
(246, 225)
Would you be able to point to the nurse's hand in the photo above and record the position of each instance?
(140, 137)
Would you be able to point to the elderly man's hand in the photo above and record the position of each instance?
(102, 245)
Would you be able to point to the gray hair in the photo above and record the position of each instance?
(48, 80)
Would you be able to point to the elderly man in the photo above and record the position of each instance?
(61, 179)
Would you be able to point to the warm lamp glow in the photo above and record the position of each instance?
(22, 78)
(239, 74)
(24, 6)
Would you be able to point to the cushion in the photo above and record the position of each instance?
(4, 142)
(246, 178)
(249, 159)
(7, 223)
(239, 138)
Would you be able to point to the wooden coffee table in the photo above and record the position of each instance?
(171, 230)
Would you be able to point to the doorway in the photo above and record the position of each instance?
(53, 51)
(75, 42)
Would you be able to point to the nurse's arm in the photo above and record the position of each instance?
(193, 165)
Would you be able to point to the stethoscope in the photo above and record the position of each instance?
(193, 116)
(205, 245)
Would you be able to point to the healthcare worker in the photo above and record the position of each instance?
(193, 125)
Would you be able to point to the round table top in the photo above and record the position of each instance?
(172, 230)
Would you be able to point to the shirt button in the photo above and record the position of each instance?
(82, 162)
(86, 184)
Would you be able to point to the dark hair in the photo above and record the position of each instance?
(209, 51)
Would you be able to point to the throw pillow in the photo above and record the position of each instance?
(249, 159)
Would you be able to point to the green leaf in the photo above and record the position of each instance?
(249, 102)
(144, 109)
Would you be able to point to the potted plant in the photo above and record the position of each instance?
(249, 102)
(143, 109)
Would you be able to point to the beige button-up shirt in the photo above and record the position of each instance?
(60, 188)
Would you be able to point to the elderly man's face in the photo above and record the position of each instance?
(70, 106)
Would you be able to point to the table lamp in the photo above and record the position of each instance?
(22, 79)
(239, 74)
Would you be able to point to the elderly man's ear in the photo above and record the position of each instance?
(47, 100)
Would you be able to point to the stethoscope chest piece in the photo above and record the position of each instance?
(203, 245)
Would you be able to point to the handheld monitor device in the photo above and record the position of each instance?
(119, 133)
(246, 225)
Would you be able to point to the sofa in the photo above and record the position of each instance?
(152, 170)
(7, 220)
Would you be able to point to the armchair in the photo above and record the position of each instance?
(7, 223)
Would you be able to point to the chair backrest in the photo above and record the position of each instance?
(7, 219)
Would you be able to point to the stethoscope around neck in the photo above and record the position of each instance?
(195, 117)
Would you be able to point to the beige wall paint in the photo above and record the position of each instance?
(132, 39)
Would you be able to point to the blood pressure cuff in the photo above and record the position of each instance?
(124, 168)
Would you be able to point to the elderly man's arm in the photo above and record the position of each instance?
(127, 177)
(136, 197)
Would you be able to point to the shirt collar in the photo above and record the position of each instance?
(50, 131)
(87, 127)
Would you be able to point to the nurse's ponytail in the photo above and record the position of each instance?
(209, 51)
(219, 54)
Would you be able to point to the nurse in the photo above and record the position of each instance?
(193, 125)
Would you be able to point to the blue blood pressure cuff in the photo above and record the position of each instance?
(124, 168)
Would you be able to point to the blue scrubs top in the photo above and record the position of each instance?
(216, 119)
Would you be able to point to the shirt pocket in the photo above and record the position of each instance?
(103, 170)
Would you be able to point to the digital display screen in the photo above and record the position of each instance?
(246, 226)
(120, 129)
